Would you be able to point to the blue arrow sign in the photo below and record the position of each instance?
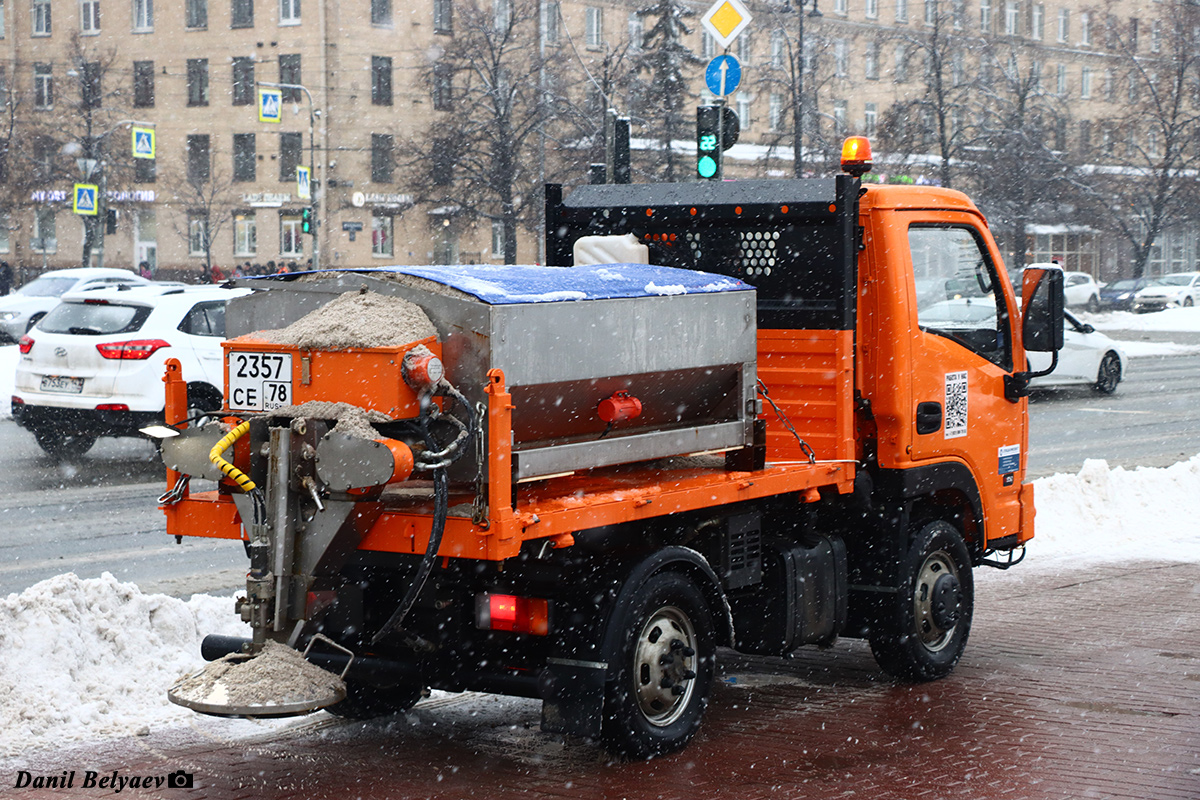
(722, 75)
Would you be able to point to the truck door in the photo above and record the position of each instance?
(961, 349)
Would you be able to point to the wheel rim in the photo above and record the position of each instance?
(937, 588)
(664, 666)
(1110, 373)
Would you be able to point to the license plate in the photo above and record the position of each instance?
(62, 383)
(259, 381)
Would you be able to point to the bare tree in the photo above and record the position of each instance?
(208, 196)
(1148, 183)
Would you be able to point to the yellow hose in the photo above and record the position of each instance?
(231, 472)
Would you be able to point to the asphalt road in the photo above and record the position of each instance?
(99, 514)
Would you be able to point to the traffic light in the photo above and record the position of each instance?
(708, 142)
(306, 220)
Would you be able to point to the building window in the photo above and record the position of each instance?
(40, 14)
(289, 72)
(145, 170)
(958, 10)
(1064, 25)
(501, 15)
(89, 16)
(708, 45)
(745, 48)
(291, 148)
(241, 14)
(443, 87)
(143, 84)
(243, 81)
(743, 112)
(4, 222)
(1012, 18)
(291, 238)
(593, 31)
(289, 12)
(381, 13)
(90, 90)
(870, 118)
(775, 112)
(498, 238)
(45, 236)
(245, 157)
(1060, 80)
(43, 86)
(841, 58)
(1085, 29)
(197, 233)
(839, 116)
(1085, 83)
(442, 168)
(195, 14)
(381, 235)
(901, 10)
(245, 234)
(382, 164)
(197, 81)
(198, 164)
(841, 7)
(552, 16)
(985, 16)
(931, 8)
(443, 16)
(1037, 21)
(1155, 37)
(871, 61)
(900, 73)
(871, 9)
(143, 15)
(1110, 86)
(381, 80)
(778, 49)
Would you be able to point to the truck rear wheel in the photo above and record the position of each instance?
(924, 628)
(364, 701)
(663, 662)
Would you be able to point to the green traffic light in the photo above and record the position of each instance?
(706, 166)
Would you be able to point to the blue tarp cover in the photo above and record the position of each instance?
(504, 285)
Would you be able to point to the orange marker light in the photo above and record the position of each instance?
(856, 156)
(506, 612)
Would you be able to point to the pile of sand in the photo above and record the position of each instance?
(277, 676)
(351, 420)
(355, 320)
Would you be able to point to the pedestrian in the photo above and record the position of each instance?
(217, 275)
(144, 270)
(6, 278)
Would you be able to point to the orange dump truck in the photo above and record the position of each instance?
(756, 415)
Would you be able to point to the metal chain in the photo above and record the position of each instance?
(479, 509)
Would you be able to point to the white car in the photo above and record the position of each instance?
(22, 309)
(1088, 357)
(1079, 288)
(94, 364)
(1176, 289)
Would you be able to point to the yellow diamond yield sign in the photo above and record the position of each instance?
(725, 20)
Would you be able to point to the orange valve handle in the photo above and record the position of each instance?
(232, 472)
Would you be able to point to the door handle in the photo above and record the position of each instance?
(929, 417)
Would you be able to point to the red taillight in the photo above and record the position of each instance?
(136, 350)
(112, 407)
(507, 612)
(16, 401)
(25, 345)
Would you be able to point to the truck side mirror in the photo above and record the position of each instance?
(1042, 309)
(1041, 325)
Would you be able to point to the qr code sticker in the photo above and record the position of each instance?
(956, 405)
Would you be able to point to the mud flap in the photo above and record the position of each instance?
(572, 696)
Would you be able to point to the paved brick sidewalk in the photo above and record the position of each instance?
(1084, 684)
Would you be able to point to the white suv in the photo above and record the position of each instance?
(93, 366)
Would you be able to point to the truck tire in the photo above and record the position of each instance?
(59, 444)
(364, 701)
(924, 628)
(661, 660)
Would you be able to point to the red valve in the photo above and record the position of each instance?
(620, 407)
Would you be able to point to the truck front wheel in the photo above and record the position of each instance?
(663, 663)
(924, 628)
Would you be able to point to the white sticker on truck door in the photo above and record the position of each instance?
(956, 404)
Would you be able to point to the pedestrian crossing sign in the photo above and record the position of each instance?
(270, 105)
(303, 183)
(85, 199)
(143, 142)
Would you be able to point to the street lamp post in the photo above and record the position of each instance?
(317, 184)
(798, 86)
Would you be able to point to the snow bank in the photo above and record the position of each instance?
(1169, 319)
(1103, 514)
(93, 659)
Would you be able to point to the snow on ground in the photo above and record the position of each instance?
(1169, 319)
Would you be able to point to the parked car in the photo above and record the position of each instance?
(1118, 295)
(1176, 289)
(1087, 357)
(22, 309)
(93, 366)
(1081, 289)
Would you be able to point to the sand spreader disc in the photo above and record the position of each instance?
(275, 682)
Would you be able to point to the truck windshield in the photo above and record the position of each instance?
(956, 291)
